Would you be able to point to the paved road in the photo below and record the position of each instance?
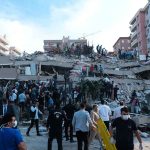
(40, 142)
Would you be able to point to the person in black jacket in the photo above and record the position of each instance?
(54, 125)
(69, 110)
(116, 92)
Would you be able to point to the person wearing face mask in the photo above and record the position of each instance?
(125, 127)
(10, 138)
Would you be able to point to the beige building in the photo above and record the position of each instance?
(123, 43)
(57, 46)
(4, 49)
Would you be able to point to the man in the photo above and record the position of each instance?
(105, 113)
(22, 99)
(117, 110)
(111, 90)
(135, 105)
(69, 110)
(5, 108)
(101, 70)
(81, 121)
(125, 127)
(35, 112)
(116, 92)
(13, 96)
(54, 125)
(10, 138)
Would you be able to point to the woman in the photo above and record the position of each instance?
(94, 117)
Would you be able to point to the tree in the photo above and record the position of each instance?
(93, 88)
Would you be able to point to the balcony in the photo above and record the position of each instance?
(133, 27)
(4, 47)
(4, 53)
(133, 21)
(133, 35)
(134, 43)
(3, 40)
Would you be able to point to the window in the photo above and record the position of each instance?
(122, 47)
(122, 41)
(129, 47)
(128, 41)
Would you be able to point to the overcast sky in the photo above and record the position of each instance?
(27, 23)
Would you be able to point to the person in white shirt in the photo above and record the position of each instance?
(117, 110)
(13, 96)
(34, 118)
(105, 113)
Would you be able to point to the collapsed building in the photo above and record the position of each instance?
(128, 75)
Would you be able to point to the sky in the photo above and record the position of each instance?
(26, 23)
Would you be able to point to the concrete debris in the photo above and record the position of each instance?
(129, 75)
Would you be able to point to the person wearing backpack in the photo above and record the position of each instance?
(54, 126)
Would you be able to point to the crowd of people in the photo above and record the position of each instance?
(30, 100)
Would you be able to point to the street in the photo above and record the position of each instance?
(40, 142)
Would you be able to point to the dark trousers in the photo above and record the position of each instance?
(82, 137)
(115, 97)
(22, 106)
(36, 122)
(124, 147)
(67, 125)
(55, 134)
(107, 124)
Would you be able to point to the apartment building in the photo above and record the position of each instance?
(123, 43)
(57, 46)
(4, 49)
(147, 25)
(138, 33)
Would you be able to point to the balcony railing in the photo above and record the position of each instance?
(3, 52)
(134, 43)
(4, 47)
(133, 35)
(3, 40)
(133, 27)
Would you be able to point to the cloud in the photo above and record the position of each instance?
(24, 36)
(74, 19)
(86, 17)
